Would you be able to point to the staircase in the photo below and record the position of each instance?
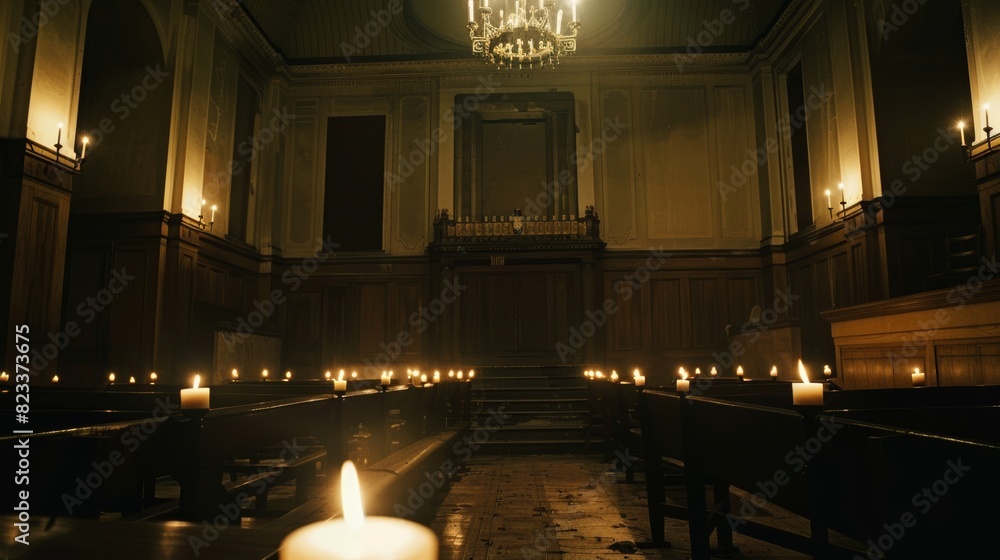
(543, 410)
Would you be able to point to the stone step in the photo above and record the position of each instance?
(528, 381)
(526, 404)
(538, 447)
(518, 393)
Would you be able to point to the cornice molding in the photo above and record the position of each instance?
(232, 20)
(671, 64)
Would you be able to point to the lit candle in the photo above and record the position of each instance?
(202, 211)
(636, 373)
(840, 187)
(131, 380)
(599, 374)
(828, 203)
(83, 152)
(806, 393)
(357, 537)
(111, 377)
(288, 376)
(919, 379)
(263, 375)
(961, 129)
(235, 374)
(640, 381)
(460, 375)
(59, 135)
(385, 379)
(827, 371)
(340, 384)
(987, 109)
(739, 371)
(614, 376)
(774, 372)
(195, 398)
(451, 373)
(683, 385)
(713, 371)
(329, 375)
(214, 208)
(437, 376)
(55, 379)
(4, 377)
(152, 377)
(697, 371)
(472, 373)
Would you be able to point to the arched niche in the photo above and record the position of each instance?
(516, 151)
(125, 103)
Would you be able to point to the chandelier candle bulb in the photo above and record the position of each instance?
(195, 398)
(806, 393)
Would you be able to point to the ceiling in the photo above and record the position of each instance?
(311, 31)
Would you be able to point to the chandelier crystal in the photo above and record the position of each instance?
(528, 36)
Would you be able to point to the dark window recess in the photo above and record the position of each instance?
(800, 148)
(243, 152)
(355, 170)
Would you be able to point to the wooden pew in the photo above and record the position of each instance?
(806, 465)
(386, 484)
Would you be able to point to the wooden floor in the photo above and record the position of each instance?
(560, 506)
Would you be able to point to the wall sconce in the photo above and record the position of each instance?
(201, 217)
(843, 204)
(977, 151)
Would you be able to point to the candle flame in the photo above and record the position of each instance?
(774, 371)
(714, 371)
(55, 379)
(739, 371)
(961, 125)
(288, 375)
(683, 372)
(350, 497)
(263, 373)
(197, 381)
(802, 373)
(423, 378)
(152, 376)
(340, 375)
(86, 140)
(354, 374)
(636, 373)
(111, 377)
(131, 379)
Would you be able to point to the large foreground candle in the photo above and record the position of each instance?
(806, 393)
(195, 398)
(356, 537)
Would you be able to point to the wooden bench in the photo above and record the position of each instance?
(807, 466)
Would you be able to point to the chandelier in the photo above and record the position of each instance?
(523, 38)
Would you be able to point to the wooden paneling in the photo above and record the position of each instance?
(625, 326)
(879, 367)
(301, 345)
(372, 303)
(707, 328)
(132, 319)
(666, 317)
(968, 364)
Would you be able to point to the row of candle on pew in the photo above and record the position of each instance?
(805, 393)
(199, 398)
